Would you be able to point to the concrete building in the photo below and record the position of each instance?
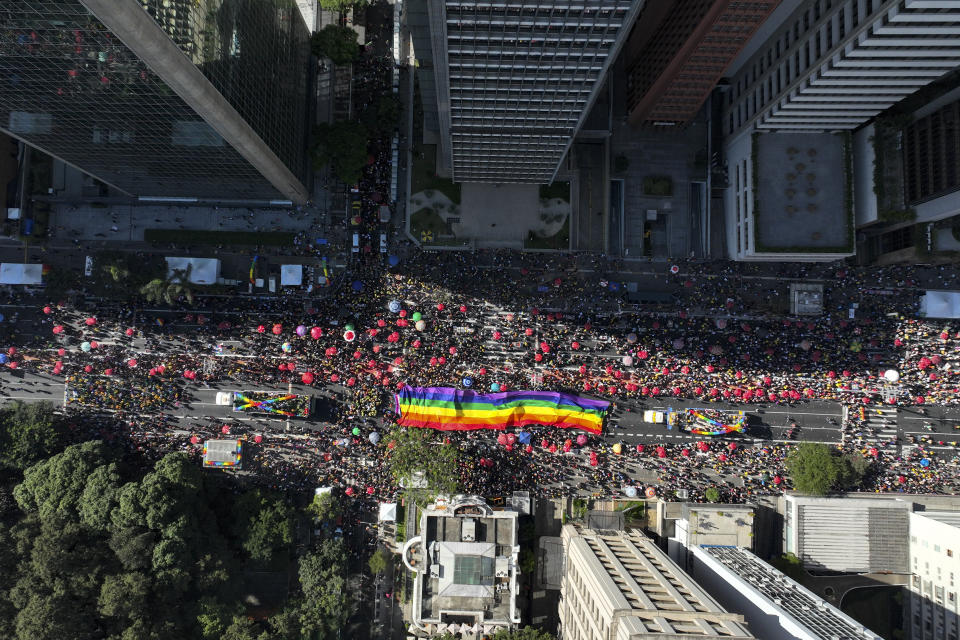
(935, 569)
(163, 98)
(847, 535)
(773, 605)
(835, 64)
(620, 586)
(790, 197)
(512, 83)
(680, 49)
(465, 561)
(728, 525)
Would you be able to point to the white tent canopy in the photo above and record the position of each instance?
(388, 512)
(940, 304)
(202, 270)
(291, 275)
(15, 273)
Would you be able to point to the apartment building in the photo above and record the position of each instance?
(619, 585)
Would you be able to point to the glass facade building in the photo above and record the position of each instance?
(515, 80)
(71, 87)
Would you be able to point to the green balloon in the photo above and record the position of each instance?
(349, 327)
(356, 431)
(416, 316)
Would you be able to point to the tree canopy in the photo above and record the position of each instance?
(336, 42)
(416, 450)
(101, 550)
(343, 146)
(341, 5)
(817, 469)
(28, 433)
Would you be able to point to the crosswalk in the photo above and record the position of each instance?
(878, 429)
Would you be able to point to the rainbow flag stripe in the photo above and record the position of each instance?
(449, 409)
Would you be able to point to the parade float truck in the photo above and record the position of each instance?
(286, 405)
(712, 422)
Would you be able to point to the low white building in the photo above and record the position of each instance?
(935, 570)
(847, 535)
(775, 607)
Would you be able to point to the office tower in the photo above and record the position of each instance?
(680, 49)
(512, 83)
(835, 64)
(185, 98)
(933, 612)
(774, 605)
(621, 585)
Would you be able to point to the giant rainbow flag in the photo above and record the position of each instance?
(451, 409)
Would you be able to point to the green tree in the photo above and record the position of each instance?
(125, 596)
(214, 617)
(853, 468)
(243, 628)
(171, 288)
(813, 468)
(712, 494)
(341, 5)
(343, 146)
(56, 485)
(28, 433)
(323, 582)
(335, 42)
(264, 524)
(416, 450)
(378, 560)
(324, 506)
(99, 496)
(117, 272)
(528, 561)
(382, 115)
(524, 633)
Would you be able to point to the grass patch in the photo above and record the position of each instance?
(560, 240)
(181, 236)
(555, 190)
(424, 176)
(658, 186)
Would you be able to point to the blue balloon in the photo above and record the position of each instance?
(494, 386)
(3, 358)
(925, 462)
(2, 317)
(394, 306)
(468, 382)
(393, 260)
(523, 437)
(357, 285)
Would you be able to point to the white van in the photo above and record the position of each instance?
(356, 243)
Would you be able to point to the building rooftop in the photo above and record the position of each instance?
(951, 518)
(818, 617)
(465, 560)
(648, 592)
(222, 453)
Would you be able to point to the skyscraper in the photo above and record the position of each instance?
(835, 64)
(512, 83)
(679, 51)
(186, 98)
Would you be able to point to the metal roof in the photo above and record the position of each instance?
(817, 616)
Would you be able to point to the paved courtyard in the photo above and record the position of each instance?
(498, 215)
(800, 191)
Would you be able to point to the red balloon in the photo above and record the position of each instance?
(108, 372)
(88, 369)
(129, 332)
(306, 377)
